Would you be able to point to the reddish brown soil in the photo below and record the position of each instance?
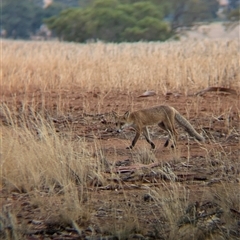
(88, 114)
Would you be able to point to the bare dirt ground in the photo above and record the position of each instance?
(195, 166)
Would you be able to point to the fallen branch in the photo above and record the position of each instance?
(134, 168)
(217, 89)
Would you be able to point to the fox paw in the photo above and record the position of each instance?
(153, 145)
(166, 143)
(130, 147)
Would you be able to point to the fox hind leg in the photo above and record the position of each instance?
(161, 125)
(167, 126)
(147, 136)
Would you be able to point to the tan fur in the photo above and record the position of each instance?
(163, 116)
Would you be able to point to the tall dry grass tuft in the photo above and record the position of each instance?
(30, 156)
(53, 171)
(174, 66)
(213, 216)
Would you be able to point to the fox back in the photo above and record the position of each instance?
(144, 117)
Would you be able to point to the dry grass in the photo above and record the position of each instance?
(60, 175)
(53, 172)
(182, 66)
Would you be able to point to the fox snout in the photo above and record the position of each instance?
(118, 128)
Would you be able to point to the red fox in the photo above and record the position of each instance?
(164, 116)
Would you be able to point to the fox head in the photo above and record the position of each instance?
(122, 121)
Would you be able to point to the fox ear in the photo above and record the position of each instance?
(126, 114)
(115, 114)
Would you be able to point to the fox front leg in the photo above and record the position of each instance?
(134, 140)
(147, 136)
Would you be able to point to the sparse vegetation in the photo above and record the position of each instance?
(66, 173)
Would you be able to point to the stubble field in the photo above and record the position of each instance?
(66, 173)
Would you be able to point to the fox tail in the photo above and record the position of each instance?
(188, 127)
